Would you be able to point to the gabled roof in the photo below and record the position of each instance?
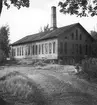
(46, 35)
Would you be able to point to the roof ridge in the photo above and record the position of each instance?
(69, 25)
(44, 35)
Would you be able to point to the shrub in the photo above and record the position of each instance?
(89, 67)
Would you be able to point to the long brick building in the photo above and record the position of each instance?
(67, 43)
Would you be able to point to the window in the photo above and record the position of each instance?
(13, 52)
(46, 48)
(36, 50)
(61, 47)
(17, 51)
(53, 47)
(42, 48)
(28, 50)
(22, 51)
(80, 36)
(86, 52)
(33, 50)
(65, 47)
(80, 49)
(76, 34)
(50, 48)
(72, 48)
(90, 49)
(39, 48)
(72, 36)
(77, 48)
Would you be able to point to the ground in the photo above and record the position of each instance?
(57, 84)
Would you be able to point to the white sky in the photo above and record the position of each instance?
(27, 21)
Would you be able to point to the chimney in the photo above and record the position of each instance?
(53, 18)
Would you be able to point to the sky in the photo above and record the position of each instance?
(28, 21)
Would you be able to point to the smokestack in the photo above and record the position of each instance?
(53, 18)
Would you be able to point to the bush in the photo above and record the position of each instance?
(89, 67)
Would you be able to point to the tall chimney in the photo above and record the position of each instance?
(53, 18)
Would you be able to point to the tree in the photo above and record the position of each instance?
(94, 34)
(4, 40)
(16, 3)
(94, 49)
(45, 28)
(79, 7)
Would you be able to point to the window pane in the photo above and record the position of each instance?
(61, 47)
(22, 51)
(42, 48)
(39, 48)
(65, 48)
(36, 49)
(17, 51)
(73, 48)
(46, 48)
(77, 48)
(76, 34)
(50, 48)
(33, 49)
(80, 48)
(53, 47)
(72, 36)
(80, 37)
(28, 50)
(86, 50)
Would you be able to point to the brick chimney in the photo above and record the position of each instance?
(53, 18)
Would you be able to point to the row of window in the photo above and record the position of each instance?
(76, 48)
(47, 48)
(77, 36)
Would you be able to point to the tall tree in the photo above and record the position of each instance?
(16, 3)
(4, 40)
(79, 7)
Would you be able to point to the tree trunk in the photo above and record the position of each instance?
(1, 6)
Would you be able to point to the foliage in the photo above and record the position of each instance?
(94, 34)
(79, 7)
(2, 56)
(94, 49)
(16, 3)
(45, 28)
(4, 40)
(89, 68)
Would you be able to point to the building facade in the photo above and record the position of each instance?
(70, 43)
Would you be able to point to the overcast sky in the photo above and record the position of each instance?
(27, 21)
